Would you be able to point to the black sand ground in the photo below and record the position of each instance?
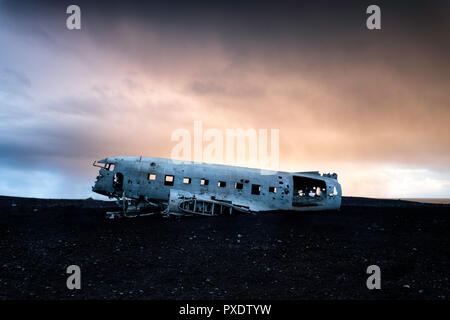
(265, 256)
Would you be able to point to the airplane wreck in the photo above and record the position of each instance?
(148, 185)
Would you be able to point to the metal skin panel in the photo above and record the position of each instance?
(137, 185)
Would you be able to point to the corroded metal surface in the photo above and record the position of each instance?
(199, 188)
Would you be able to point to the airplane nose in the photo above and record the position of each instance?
(99, 185)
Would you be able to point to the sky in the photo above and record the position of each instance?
(370, 105)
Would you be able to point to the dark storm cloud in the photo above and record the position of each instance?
(241, 22)
(274, 33)
(35, 145)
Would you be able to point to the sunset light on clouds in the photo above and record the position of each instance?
(371, 106)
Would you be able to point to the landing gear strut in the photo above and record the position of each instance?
(131, 208)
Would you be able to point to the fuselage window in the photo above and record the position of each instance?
(204, 182)
(238, 186)
(186, 180)
(168, 180)
(256, 189)
(110, 167)
(273, 189)
(221, 184)
(151, 176)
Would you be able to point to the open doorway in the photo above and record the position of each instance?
(118, 182)
(308, 191)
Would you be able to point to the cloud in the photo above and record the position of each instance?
(14, 84)
(341, 96)
(233, 90)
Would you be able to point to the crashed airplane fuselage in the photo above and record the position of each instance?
(181, 187)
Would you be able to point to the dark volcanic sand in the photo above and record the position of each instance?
(264, 256)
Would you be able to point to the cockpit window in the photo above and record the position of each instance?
(103, 165)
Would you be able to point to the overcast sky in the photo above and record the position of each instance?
(372, 106)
